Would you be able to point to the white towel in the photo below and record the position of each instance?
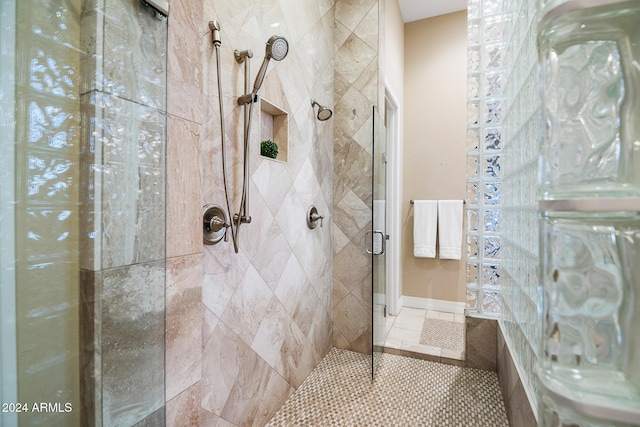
(425, 219)
(450, 228)
(379, 224)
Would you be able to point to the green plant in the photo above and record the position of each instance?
(269, 149)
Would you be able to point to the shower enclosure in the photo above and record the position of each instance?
(82, 196)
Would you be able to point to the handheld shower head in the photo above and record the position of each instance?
(324, 113)
(277, 48)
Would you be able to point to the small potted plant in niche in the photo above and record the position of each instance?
(269, 149)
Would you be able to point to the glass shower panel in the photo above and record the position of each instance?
(378, 237)
(82, 200)
(123, 213)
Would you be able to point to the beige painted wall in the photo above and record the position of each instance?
(394, 83)
(394, 49)
(435, 79)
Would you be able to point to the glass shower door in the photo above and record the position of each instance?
(378, 238)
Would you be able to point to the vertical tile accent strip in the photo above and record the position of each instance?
(356, 93)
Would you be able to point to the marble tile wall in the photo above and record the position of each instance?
(123, 213)
(185, 268)
(357, 84)
(481, 343)
(245, 329)
(486, 349)
(132, 342)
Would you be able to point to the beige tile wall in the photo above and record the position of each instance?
(357, 79)
(245, 329)
(183, 363)
(519, 410)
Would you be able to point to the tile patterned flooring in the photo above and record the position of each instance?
(417, 332)
(443, 334)
(406, 392)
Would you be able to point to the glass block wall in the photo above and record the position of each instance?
(502, 159)
(485, 156)
(519, 319)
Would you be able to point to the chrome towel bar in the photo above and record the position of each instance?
(464, 202)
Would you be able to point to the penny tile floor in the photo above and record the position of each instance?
(406, 392)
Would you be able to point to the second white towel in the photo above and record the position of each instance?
(425, 217)
(450, 228)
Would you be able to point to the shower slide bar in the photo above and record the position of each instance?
(216, 222)
(211, 226)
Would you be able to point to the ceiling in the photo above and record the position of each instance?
(414, 10)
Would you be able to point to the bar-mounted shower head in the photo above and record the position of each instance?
(324, 113)
(277, 49)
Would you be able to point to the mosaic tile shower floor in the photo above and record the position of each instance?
(407, 392)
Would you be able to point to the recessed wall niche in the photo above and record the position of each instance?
(274, 126)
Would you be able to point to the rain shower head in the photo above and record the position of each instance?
(277, 49)
(324, 113)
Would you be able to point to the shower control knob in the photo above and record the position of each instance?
(215, 223)
(313, 216)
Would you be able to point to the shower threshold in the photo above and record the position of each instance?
(427, 335)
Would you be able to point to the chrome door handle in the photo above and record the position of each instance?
(366, 242)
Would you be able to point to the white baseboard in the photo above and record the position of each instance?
(433, 304)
